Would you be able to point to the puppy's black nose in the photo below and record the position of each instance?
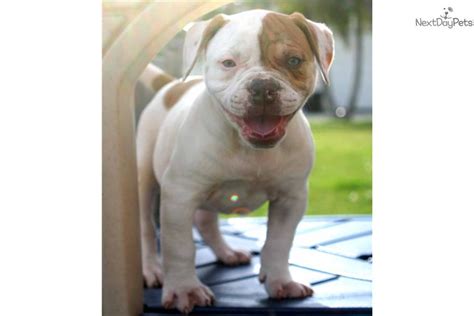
(263, 90)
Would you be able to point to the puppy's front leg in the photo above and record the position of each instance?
(181, 288)
(284, 215)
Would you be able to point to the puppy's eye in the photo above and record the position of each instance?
(294, 62)
(228, 63)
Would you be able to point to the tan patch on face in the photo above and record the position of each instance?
(177, 91)
(281, 38)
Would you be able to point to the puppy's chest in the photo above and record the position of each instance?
(237, 196)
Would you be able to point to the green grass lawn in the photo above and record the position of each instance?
(341, 179)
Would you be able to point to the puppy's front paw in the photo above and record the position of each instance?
(280, 289)
(185, 297)
(152, 272)
(233, 257)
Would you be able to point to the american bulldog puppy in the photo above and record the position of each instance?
(228, 142)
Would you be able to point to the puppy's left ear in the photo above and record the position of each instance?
(320, 40)
(197, 38)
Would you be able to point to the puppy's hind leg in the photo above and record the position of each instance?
(208, 226)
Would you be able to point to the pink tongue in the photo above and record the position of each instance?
(263, 124)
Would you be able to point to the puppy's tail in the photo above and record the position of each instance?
(154, 78)
(149, 83)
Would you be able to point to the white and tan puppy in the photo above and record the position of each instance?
(229, 143)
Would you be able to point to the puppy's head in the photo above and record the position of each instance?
(261, 67)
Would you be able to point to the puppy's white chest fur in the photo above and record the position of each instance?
(236, 197)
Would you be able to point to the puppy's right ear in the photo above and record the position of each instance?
(197, 38)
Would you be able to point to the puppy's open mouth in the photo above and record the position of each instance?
(263, 130)
(264, 127)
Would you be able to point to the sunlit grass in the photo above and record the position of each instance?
(341, 180)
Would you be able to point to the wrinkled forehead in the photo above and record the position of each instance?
(249, 35)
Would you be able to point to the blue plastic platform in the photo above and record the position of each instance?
(333, 254)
